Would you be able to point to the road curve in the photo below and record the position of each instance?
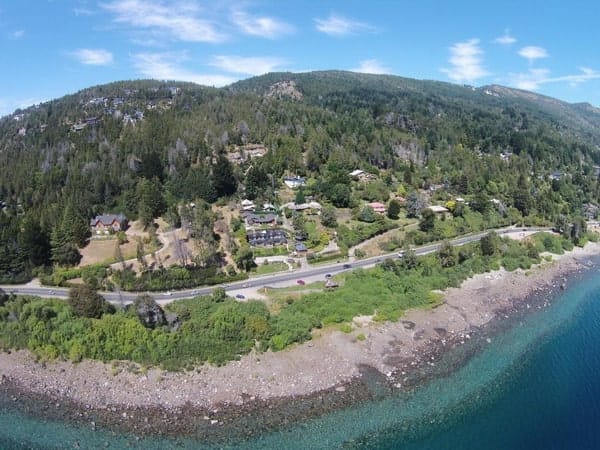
(123, 297)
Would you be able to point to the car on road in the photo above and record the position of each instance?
(168, 293)
(347, 266)
(240, 296)
(245, 285)
(301, 282)
(328, 275)
(401, 254)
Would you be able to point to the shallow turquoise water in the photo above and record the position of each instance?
(536, 385)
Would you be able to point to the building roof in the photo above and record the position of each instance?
(300, 247)
(108, 219)
(356, 172)
(438, 209)
(375, 205)
(247, 202)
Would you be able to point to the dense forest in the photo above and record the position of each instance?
(145, 148)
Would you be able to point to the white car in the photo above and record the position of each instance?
(168, 293)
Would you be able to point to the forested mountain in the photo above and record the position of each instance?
(145, 147)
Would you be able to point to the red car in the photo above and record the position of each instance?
(301, 282)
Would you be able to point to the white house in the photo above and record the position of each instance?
(294, 182)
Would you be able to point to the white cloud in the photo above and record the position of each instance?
(535, 78)
(371, 66)
(83, 12)
(93, 57)
(250, 65)
(262, 26)
(466, 62)
(532, 53)
(168, 66)
(336, 25)
(530, 80)
(505, 39)
(18, 34)
(178, 19)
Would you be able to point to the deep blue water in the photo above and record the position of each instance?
(534, 385)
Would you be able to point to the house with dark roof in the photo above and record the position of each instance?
(275, 236)
(261, 219)
(108, 223)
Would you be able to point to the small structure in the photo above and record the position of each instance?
(108, 223)
(361, 175)
(438, 209)
(378, 207)
(294, 182)
(248, 205)
(300, 247)
(268, 207)
(330, 284)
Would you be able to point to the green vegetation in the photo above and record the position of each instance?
(217, 328)
(270, 267)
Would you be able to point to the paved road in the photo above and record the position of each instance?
(267, 280)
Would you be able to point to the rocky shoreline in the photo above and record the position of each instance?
(271, 390)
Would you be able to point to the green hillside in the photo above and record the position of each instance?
(145, 148)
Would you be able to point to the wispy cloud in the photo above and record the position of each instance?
(533, 52)
(168, 66)
(535, 78)
(92, 57)
(262, 26)
(505, 39)
(466, 62)
(81, 11)
(178, 19)
(336, 25)
(250, 65)
(371, 66)
(17, 34)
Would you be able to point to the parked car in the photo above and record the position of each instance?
(301, 282)
(327, 275)
(240, 296)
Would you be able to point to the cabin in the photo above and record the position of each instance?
(294, 182)
(108, 223)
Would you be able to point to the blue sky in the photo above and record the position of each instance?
(49, 48)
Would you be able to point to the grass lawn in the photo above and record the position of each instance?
(272, 267)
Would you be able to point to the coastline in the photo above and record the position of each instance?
(328, 373)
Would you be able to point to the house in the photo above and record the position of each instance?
(274, 236)
(270, 207)
(438, 209)
(311, 207)
(294, 182)
(261, 219)
(361, 175)
(556, 175)
(108, 223)
(248, 205)
(378, 207)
